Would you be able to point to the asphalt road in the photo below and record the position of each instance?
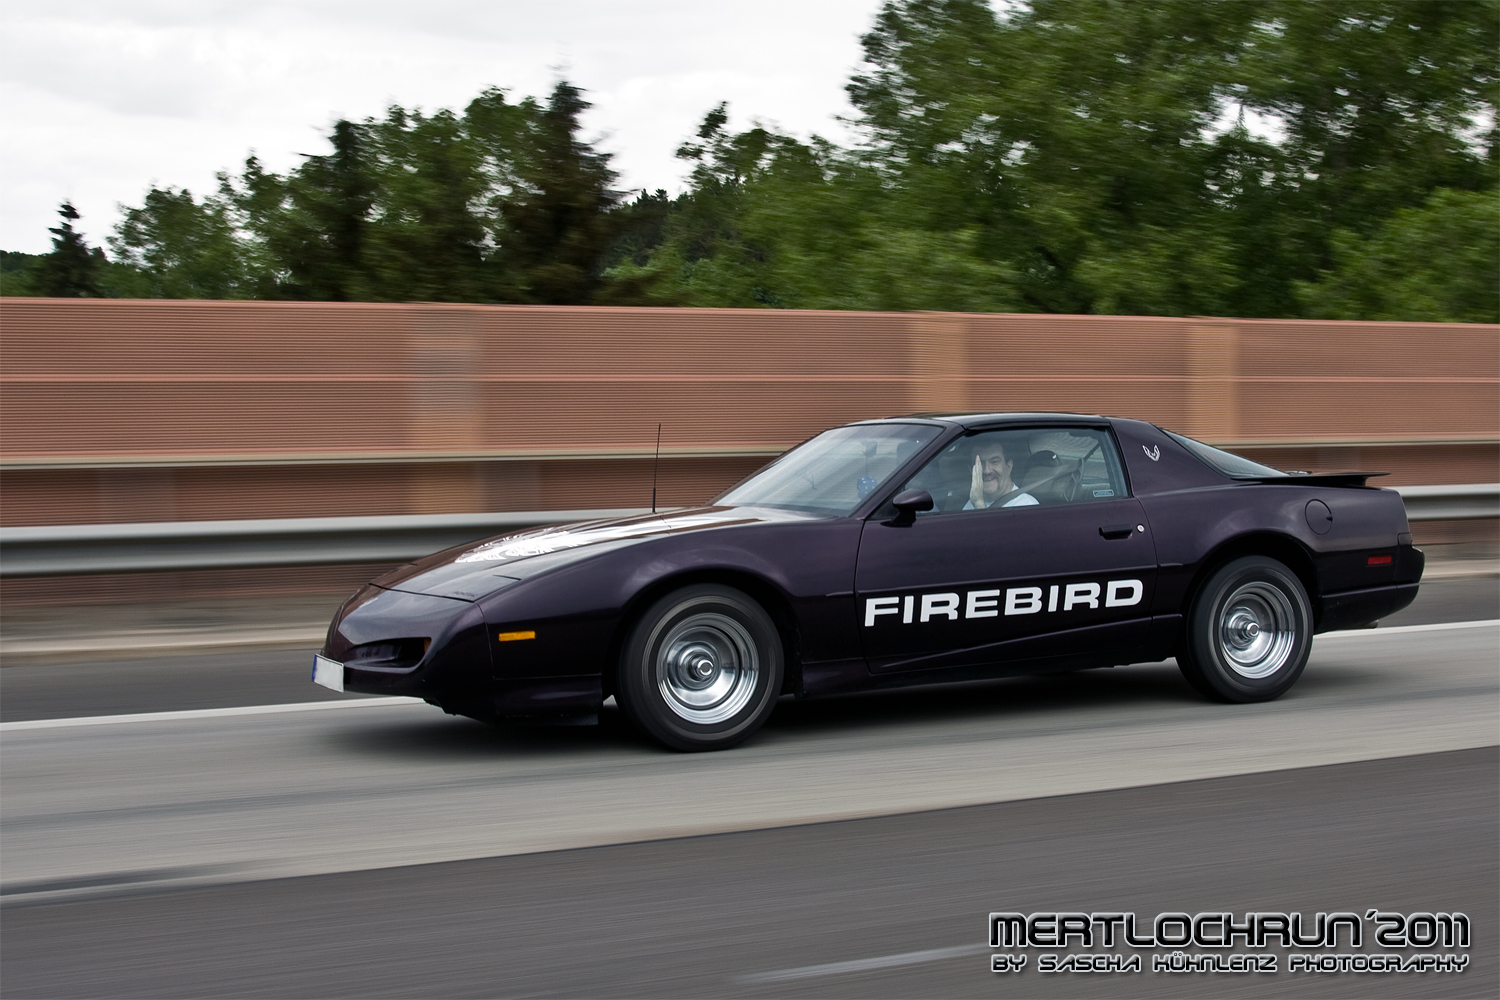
(188, 798)
(887, 907)
(62, 688)
(381, 848)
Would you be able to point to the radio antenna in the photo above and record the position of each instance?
(655, 466)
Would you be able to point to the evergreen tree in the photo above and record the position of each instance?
(72, 269)
(559, 222)
(321, 239)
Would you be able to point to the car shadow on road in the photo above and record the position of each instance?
(1011, 697)
(445, 737)
(452, 738)
(1327, 676)
(1153, 685)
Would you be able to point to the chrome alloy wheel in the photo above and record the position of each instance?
(1257, 630)
(707, 668)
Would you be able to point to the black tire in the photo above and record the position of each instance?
(701, 668)
(1248, 632)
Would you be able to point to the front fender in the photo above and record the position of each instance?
(577, 610)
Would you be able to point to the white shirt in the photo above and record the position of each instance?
(1019, 500)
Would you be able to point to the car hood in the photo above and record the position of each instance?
(477, 569)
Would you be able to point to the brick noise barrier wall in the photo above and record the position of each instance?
(139, 410)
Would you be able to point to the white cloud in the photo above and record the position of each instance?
(99, 99)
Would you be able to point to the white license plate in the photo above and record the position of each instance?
(329, 673)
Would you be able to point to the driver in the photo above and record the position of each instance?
(990, 484)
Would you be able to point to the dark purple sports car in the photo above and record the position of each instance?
(910, 550)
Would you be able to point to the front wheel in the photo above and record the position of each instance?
(1249, 632)
(701, 668)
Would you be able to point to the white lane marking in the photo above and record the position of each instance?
(1399, 629)
(207, 713)
(146, 641)
(866, 964)
(322, 706)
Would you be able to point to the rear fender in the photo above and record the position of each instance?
(1283, 548)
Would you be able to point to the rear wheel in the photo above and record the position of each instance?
(701, 669)
(1249, 632)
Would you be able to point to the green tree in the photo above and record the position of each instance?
(1052, 160)
(181, 248)
(426, 241)
(504, 134)
(1171, 157)
(707, 252)
(1073, 136)
(388, 215)
(314, 223)
(772, 221)
(503, 203)
(1093, 156)
(643, 226)
(73, 269)
(1380, 103)
(1434, 263)
(17, 272)
(560, 221)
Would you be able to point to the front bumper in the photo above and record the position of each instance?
(452, 656)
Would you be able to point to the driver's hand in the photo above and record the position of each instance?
(976, 485)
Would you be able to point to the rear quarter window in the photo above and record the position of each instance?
(1232, 465)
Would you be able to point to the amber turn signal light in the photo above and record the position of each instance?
(514, 636)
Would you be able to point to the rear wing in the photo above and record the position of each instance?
(1314, 479)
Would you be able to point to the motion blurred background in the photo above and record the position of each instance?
(297, 290)
(120, 411)
(470, 308)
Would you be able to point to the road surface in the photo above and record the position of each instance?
(270, 852)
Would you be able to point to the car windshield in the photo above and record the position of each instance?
(1230, 464)
(834, 471)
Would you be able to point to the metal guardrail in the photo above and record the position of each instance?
(1450, 503)
(124, 548)
(311, 541)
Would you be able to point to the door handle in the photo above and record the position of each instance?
(1117, 530)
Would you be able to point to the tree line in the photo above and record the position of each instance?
(1272, 158)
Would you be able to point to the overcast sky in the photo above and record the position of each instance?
(102, 98)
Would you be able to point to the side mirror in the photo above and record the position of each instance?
(907, 503)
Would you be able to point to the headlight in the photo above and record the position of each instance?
(390, 653)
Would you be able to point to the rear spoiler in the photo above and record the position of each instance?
(1314, 479)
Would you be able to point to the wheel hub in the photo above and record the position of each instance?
(1257, 630)
(707, 668)
(1243, 627)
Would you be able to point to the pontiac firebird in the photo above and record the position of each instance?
(909, 550)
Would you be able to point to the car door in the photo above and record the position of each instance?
(1057, 560)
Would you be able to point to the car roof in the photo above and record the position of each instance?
(968, 420)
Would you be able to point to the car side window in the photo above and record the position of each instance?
(1039, 466)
